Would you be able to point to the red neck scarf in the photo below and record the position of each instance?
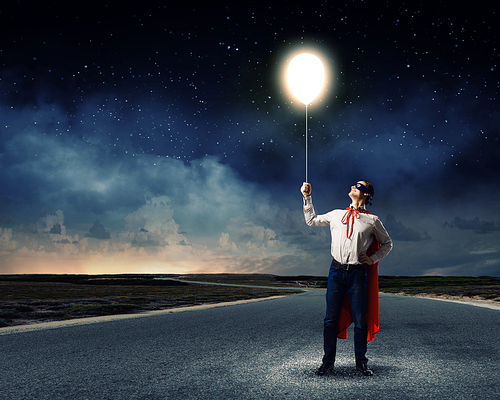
(348, 219)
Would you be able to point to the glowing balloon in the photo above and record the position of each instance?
(305, 77)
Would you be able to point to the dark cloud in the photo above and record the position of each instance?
(56, 229)
(64, 241)
(476, 225)
(400, 232)
(98, 232)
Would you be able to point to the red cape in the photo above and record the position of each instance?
(372, 300)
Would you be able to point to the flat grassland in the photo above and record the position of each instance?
(28, 299)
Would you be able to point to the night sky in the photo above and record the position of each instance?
(157, 138)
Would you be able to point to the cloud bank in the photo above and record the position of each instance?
(74, 208)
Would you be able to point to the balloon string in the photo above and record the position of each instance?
(306, 144)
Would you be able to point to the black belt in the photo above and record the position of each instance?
(347, 267)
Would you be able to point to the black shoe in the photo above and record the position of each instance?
(324, 369)
(363, 368)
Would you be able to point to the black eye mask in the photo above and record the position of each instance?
(364, 189)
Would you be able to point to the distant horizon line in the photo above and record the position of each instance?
(232, 273)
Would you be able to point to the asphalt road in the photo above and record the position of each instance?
(269, 349)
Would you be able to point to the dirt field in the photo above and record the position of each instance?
(28, 299)
(52, 298)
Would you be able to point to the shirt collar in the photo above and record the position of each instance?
(363, 207)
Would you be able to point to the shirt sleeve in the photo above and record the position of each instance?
(384, 241)
(310, 215)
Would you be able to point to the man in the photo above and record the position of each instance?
(359, 241)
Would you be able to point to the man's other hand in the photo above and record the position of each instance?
(363, 258)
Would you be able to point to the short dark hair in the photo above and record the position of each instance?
(370, 188)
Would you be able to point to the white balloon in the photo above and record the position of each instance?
(305, 77)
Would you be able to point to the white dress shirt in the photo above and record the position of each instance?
(347, 246)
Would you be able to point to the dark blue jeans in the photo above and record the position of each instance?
(353, 284)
